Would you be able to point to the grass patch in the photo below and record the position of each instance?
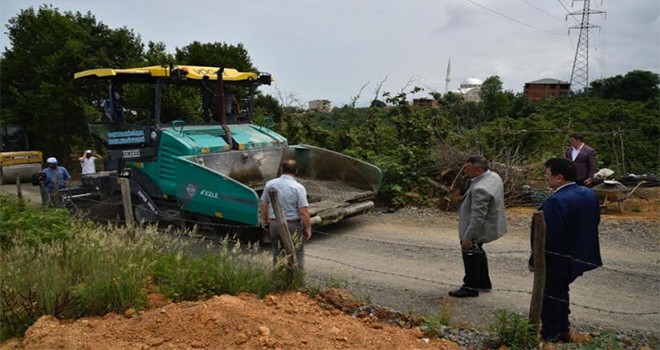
(513, 330)
(434, 323)
(99, 270)
(221, 268)
(56, 264)
(31, 225)
(605, 340)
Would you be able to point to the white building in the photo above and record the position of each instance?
(324, 106)
(470, 89)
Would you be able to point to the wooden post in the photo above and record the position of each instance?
(56, 188)
(285, 235)
(42, 189)
(18, 187)
(126, 200)
(538, 290)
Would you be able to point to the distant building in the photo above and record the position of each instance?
(470, 90)
(425, 102)
(324, 106)
(546, 88)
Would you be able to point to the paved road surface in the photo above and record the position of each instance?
(409, 261)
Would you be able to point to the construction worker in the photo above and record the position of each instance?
(54, 173)
(87, 162)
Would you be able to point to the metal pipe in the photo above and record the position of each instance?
(358, 208)
(157, 101)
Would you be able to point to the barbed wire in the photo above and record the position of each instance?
(422, 279)
(494, 289)
(628, 273)
(452, 249)
(491, 252)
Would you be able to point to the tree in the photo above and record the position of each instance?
(38, 90)
(215, 55)
(267, 106)
(157, 54)
(636, 85)
(495, 102)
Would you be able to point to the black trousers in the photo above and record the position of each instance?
(555, 311)
(476, 268)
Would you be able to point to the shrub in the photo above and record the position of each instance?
(34, 225)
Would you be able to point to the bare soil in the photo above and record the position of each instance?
(288, 321)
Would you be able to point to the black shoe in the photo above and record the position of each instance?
(463, 293)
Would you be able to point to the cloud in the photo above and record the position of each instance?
(322, 49)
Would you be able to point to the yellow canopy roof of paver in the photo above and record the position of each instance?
(193, 72)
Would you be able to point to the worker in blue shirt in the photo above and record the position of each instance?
(63, 177)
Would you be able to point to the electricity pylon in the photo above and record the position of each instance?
(580, 73)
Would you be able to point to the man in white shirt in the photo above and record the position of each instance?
(292, 197)
(87, 162)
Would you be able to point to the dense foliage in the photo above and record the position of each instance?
(20, 221)
(413, 145)
(37, 88)
(47, 47)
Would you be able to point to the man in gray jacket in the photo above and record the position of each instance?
(482, 220)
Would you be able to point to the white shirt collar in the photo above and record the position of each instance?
(564, 185)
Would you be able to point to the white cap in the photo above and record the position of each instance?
(51, 160)
(88, 151)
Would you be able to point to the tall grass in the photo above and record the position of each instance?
(221, 268)
(96, 271)
(87, 269)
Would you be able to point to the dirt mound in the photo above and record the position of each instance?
(288, 321)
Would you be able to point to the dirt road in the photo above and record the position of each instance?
(409, 260)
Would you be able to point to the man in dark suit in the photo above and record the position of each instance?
(572, 215)
(584, 158)
(482, 220)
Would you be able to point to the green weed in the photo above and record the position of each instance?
(604, 341)
(513, 330)
(434, 323)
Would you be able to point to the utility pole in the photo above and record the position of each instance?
(580, 73)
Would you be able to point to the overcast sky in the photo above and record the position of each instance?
(329, 49)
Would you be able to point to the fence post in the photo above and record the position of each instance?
(126, 200)
(285, 235)
(19, 192)
(539, 270)
(56, 188)
(45, 196)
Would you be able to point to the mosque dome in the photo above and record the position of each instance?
(471, 82)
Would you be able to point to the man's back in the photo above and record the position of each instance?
(292, 195)
(573, 215)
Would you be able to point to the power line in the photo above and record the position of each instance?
(512, 19)
(540, 10)
(567, 11)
